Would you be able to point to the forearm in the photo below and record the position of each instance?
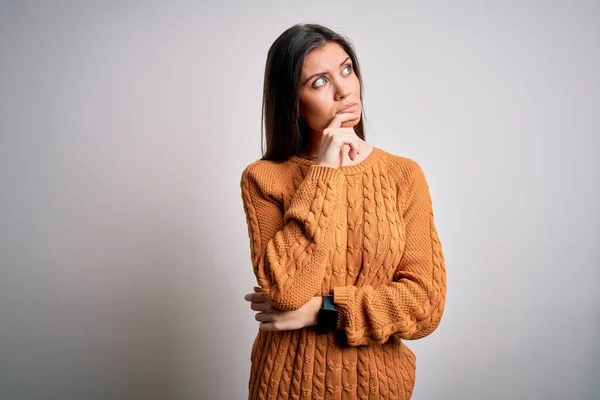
(406, 308)
(290, 251)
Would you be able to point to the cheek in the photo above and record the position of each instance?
(355, 89)
(316, 110)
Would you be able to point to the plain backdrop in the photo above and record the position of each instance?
(124, 129)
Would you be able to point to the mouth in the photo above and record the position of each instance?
(348, 108)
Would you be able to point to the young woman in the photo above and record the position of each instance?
(342, 237)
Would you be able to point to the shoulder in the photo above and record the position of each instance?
(263, 176)
(405, 169)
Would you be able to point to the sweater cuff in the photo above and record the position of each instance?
(342, 298)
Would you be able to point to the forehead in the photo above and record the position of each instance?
(325, 58)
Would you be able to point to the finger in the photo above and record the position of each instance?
(352, 153)
(352, 117)
(265, 317)
(264, 307)
(352, 141)
(343, 131)
(354, 150)
(248, 296)
(340, 118)
(256, 297)
(266, 326)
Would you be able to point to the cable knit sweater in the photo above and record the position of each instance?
(364, 233)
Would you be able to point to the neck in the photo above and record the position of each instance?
(311, 150)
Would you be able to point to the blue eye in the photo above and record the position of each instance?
(315, 82)
(347, 67)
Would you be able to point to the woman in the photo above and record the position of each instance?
(342, 238)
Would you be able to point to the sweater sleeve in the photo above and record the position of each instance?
(289, 250)
(411, 306)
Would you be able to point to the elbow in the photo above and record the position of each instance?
(427, 322)
(420, 330)
(425, 329)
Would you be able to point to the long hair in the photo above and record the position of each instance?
(285, 130)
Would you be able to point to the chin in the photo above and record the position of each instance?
(349, 124)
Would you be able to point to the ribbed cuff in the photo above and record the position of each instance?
(342, 298)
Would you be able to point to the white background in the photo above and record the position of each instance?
(124, 129)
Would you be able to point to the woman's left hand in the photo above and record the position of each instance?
(274, 319)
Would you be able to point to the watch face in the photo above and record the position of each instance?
(327, 320)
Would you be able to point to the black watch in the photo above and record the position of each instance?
(328, 315)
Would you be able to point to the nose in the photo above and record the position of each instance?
(342, 91)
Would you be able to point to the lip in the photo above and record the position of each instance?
(348, 108)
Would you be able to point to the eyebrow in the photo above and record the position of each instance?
(322, 73)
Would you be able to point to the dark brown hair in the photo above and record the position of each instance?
(286, 132)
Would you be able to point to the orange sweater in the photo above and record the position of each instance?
(364, 233)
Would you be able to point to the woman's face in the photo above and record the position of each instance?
(328, 84)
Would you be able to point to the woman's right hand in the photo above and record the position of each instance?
(335, 141)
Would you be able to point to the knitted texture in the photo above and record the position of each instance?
(364, 233)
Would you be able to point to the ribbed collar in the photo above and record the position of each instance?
(371, 159)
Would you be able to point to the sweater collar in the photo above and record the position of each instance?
(371, 159)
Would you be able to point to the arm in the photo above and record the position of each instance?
(411, 306)
(290, 251)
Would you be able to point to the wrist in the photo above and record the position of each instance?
(316, 304)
